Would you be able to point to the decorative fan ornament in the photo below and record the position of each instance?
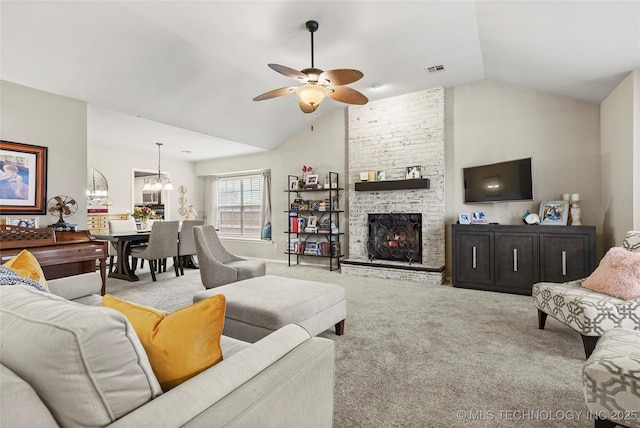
(317, 84)
(62, 206)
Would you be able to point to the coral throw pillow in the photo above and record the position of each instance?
(618, 274)
(26, 265)
(180, 344)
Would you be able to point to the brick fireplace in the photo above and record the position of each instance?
(390, 135)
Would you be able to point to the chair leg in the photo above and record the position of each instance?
(589, 343)
(134, 264)
(176, 266)
(604, 423)
(542, 319)
(181, 263)
(152, 267)
(340, 328)
(164, 265)
(111, 263)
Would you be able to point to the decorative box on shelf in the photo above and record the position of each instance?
(66, 227)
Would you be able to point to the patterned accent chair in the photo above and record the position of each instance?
(611, 379)
(588, 312)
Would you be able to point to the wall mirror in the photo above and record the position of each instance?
(97, 189)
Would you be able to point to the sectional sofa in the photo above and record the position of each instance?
(67, 361)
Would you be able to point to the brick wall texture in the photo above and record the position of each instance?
(390, 135)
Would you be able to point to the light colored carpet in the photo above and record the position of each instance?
(415, 355)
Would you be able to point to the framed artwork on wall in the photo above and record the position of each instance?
(23, 178)
(554, 213)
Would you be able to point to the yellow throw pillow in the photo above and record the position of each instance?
(180, 344)
(26, 265)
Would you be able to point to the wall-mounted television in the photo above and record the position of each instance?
(499, 182)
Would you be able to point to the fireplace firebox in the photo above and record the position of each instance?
(395, 236)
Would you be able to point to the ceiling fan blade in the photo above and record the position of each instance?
(274, 93)
(289, 72)
(344, 94)
(306, 108)
(342, 76)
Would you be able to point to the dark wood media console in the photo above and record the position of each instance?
(511, 259)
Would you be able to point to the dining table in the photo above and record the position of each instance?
(123, 242)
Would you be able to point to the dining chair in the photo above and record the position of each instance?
(163, 243)
(186, 242)
(118, 226)
(217, 265)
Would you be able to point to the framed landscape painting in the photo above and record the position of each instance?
(23, 178)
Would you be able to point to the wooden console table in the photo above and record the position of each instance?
(60, 254)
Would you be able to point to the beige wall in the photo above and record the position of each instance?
(34, 117)
(487, 122)
(617, 159)
(323, 148)
(117, 167)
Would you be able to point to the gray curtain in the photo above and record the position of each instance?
(211, 202)
(266, 204)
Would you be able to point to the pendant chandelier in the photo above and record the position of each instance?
(161, 182)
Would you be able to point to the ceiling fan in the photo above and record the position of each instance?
(317, 84)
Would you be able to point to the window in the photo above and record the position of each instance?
(239, 205)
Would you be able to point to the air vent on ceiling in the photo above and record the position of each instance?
(434, 68)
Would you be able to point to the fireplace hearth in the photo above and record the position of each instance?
(395, 236)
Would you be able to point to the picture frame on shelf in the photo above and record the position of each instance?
(414, 172)
(464, 218)
(364, 176)
(293, 184)
(312, 221)
(554, 213)
(30, 222)
(381, 176)
(23, 178)
(478, 217)
(312, 179)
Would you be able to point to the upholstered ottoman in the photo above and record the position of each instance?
(611, 379)
(257, 306)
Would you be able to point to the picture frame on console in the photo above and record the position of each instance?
(554, 213)
(464, 218)
(23, 178)
(478, 217)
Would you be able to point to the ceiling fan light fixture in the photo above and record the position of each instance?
(312, 94)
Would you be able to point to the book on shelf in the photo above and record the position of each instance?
(293, 223)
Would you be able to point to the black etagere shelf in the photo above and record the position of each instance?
(323, 238)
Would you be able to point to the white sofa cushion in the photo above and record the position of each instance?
(86, 363)
(21, 406)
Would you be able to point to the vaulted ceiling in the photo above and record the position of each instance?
(184, 72)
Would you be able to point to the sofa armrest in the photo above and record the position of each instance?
(284, 379)
(76, 286)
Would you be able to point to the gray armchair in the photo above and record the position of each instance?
(187, 243)
(218, 266)
(163, 243)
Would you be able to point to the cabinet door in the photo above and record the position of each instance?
(516, 261)
(564, 257)
(473, 258)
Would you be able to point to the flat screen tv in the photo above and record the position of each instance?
(499, 182)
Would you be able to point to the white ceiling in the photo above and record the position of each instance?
(196, 65)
